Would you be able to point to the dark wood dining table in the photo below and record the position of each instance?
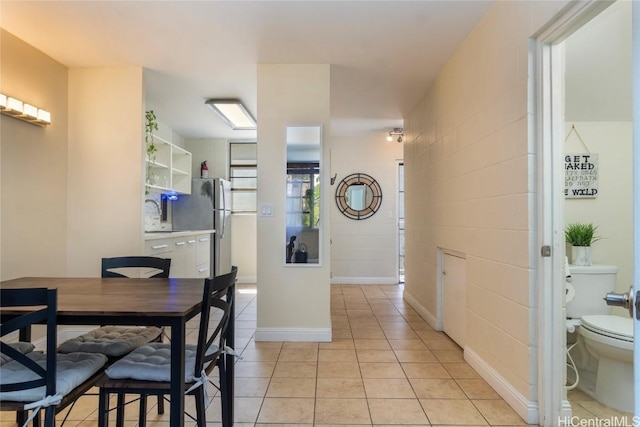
(141, 302)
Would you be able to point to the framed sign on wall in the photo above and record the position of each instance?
(581, 175)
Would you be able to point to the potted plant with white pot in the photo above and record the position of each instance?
(581, 236)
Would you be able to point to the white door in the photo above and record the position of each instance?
(454, 301)
(548, 91)
(632, 299)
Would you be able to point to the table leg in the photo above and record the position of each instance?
(24, 334)
(178, 335)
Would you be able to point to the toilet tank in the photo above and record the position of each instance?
(591, 284)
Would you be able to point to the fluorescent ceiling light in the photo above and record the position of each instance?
(233, 113)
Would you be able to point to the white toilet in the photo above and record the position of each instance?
(608, 338)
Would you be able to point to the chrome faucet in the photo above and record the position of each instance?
(156, 204)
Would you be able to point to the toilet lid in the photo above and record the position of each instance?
(609, 325)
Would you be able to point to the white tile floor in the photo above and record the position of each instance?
(385, 366)
(585, 407)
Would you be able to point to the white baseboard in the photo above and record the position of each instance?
(293, 334)
(422, 311)
(364, 280)
(527, 409)
(247, 279)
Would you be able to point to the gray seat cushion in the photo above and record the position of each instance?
(112, 341)
(152, 362)
(22, 347)
(71, 371)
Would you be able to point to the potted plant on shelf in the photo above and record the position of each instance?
(581, 236)
(151, 124)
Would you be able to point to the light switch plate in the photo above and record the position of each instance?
(266, 210)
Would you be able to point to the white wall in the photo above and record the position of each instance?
(215, 151)
(598, 74)
(105, 173)
(365, 251)
(293, 301)
(469, 187)
(244, 246)
(612, 209)
(72, 191)
(33, 177)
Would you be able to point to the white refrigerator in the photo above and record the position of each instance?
(208, 207)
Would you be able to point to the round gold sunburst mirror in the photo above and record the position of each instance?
(358, 196)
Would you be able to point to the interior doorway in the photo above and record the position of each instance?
(598, 150)
(550, 131)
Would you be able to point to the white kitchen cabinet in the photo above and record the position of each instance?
(183, 257)
(203, 270)
(178, 258)
(189, 252)
(203, 255)
(190, 255)
(158, 247)
(203, 248)
(170, 170)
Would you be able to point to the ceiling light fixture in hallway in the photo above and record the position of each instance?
(396, 132)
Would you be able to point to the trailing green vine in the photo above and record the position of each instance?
(151, 124)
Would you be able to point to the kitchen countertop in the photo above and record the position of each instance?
(153, 235)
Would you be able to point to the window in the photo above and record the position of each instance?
(303, 195)
(243, 174)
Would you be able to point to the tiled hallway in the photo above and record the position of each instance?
(385, 366)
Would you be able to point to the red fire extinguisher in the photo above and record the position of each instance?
(204, 170)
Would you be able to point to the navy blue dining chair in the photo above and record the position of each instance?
(36, 380)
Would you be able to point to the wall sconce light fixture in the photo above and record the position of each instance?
(233, 112)
(20, 110)
(399, 132)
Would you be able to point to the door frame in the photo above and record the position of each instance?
(635, 29)
(546, 131)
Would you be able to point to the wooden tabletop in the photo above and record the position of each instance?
(119, 297)
(144, 302)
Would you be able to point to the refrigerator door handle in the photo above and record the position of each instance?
(224, 199)
(224, 207)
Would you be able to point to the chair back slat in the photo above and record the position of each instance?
(162, 264)
(215, 289)
(26, 297)
(31, 297)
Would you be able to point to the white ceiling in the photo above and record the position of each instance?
(384, 54)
